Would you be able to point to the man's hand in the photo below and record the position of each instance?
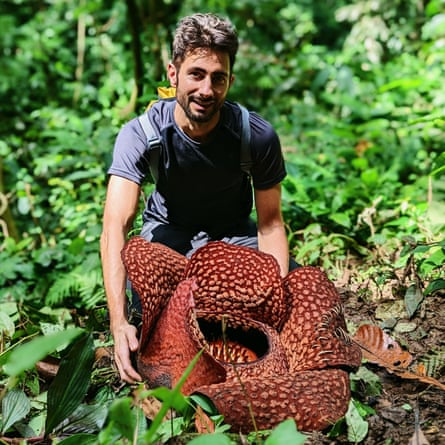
(125, 342)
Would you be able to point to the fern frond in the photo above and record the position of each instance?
(81, 285)
(434, 363)
(63, 287)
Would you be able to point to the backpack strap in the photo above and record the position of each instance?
(154, 142)
(246, 154)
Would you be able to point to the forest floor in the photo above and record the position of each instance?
(407, 412)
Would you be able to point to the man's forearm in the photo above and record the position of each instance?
(274, 242)
(114, 276)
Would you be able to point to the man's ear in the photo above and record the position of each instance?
(172, 74)
(232, 79)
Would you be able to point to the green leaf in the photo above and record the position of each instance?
(122, 417)
(177, 401)
(25, 356)
(365, 376)
(357, 426)
(211, 439)
(15, 407)
(341, 218)
(434, 286)
(87, 418)
(413, 297)
(205, 403)
(70, 385)
(286, 432)
(79, 439)
(370, 177)
(170, 399)
(7, 326)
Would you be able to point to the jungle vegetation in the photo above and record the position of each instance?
(355, 90)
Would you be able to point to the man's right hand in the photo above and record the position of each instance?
(120, 208)
(126, 342)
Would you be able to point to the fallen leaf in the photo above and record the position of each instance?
(378, 347)
(413, 298)
(48, 368)
(420, 369)
(402, 327)
(203, 423)
(418, 438)
(151, 407)
(390, 310)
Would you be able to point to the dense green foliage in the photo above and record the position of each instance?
(355, 90)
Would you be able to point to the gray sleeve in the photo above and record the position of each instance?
(130, 154)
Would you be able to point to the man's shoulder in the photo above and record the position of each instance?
(161, 112)
(257, 122)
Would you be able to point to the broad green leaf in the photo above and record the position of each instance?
(341, 218)
(70, 385)
(37, 423)
(370, 177)
(413, 297)
(123, 418)
(25, 356)
(7, 326)
(435, 286)
(87, 418)
(286, 433)
(357, 426)
(15, 407)
(204, 402)
(370, 379)
(170, 428)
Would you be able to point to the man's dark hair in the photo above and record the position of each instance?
(204, 31)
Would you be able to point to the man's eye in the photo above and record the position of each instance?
(219, 80)
(196, 75)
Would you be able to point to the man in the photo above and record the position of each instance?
(201, 193)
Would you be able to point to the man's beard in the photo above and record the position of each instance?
(203, 117)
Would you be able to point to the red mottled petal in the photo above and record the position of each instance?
(154, 271)
(315, 399)
(314, 336)
(172, 347)
(239, 281)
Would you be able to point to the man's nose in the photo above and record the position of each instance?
(206, 87)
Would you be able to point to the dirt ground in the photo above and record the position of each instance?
(403, 403)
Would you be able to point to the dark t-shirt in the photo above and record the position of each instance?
(201, 185)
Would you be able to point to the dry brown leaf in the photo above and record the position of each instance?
(418, 438)
(151, 407)
(48, 368)
(419, 369)
(203, 423)
(379, 348)
(103, 357)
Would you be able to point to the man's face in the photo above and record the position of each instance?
(202, 82)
